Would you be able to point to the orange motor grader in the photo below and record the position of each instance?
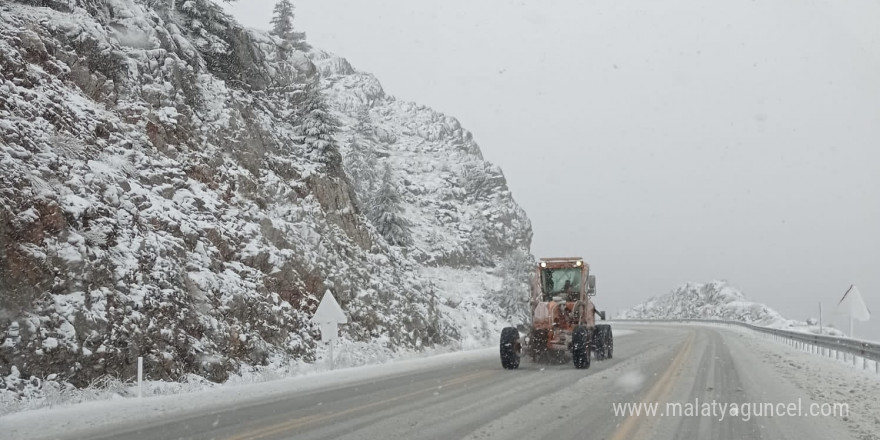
(563, 317)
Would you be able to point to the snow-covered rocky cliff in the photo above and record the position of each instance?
(175, 187)
(716, 300)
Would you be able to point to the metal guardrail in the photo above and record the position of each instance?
(831, 346)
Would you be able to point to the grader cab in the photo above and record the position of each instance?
(563, 317)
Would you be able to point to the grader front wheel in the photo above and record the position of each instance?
(510, 347)
(580, 347)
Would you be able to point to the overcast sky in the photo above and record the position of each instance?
(735, 140)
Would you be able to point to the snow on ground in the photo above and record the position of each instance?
(32, 424)
(825, 380)
(623, 332)
(207, 396)
(463, 292)
(347, 354)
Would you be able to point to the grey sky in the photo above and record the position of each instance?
(664, 141)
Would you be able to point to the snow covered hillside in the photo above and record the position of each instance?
(717, 300)
(463, 224)
(177, 187)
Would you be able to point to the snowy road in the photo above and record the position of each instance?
(472, 397)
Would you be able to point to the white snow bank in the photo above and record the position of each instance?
(825, 379)
(195, 397)
(48, 423)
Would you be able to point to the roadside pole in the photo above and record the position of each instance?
(331, 354)
(140, 377)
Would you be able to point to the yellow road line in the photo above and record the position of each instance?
(278, 428)
(662, 387)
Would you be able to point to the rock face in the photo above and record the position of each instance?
(158, 198)
(462, 210)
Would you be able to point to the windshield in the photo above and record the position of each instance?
(559, 281)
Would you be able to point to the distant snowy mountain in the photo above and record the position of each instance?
(177, 187)
(716, 300)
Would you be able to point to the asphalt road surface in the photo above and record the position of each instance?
(477, 399)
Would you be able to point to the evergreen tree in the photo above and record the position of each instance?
(361, 174)
(386, 212)
(364, 122)
(282, 27)
(514, 269)
(316, 126)
(372, 161)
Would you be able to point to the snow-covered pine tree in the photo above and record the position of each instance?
(372, 161)
(364, 123)
(207, 24)
(361, 174)
(316, 126)
(510, 298)
(386, 212)
(282, 27)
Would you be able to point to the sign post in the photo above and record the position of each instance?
(328, 317)
(853, 304)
